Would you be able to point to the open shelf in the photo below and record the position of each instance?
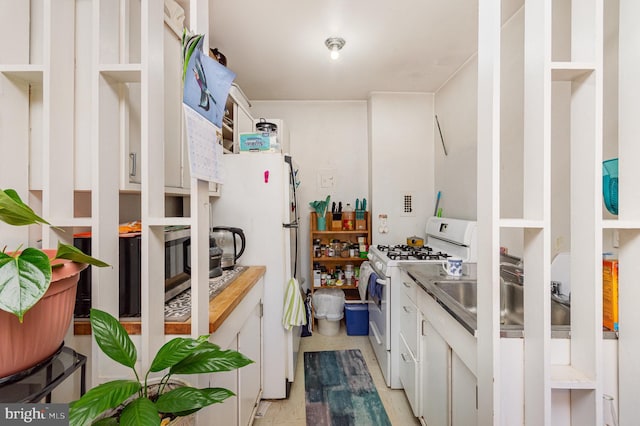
(568, 377)
(29, 73)
(569, 71)
(124, 73)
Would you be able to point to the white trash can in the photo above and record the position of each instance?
(328, 308)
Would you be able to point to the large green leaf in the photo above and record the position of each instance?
(66, 251)
(175, 351)
(210, 360)
(112, 338)
(107, 421)
(140, 412)
(23, 280)
(188, 399)
(99, 399)
(15, 212)
(189, 45)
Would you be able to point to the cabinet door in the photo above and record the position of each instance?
(435, 377)
(250, 376)
(227, 411)
(409, 316)
(409, 376)
(464, 402)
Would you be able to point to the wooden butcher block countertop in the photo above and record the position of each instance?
(220, 307)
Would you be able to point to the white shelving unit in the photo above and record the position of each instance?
(628, 222)
(66, 127)
(579, 68)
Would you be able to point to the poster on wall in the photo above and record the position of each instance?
(206, 87)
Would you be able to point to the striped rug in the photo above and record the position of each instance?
(339, 390)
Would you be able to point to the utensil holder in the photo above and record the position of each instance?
(336, 221)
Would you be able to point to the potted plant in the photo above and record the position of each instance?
(139, 402)
(37, 292)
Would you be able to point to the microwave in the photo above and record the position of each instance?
(177, 270)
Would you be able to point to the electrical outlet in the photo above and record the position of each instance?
(383, 228)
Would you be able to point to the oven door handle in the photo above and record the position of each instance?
(381, 281)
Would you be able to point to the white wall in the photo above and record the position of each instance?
(327, 138)
(456, 107)
(401, 149)
(455, 173)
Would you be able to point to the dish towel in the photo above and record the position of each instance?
(375, 289)
(294, 310)
(365, 272)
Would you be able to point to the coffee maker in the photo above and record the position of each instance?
(226, 238)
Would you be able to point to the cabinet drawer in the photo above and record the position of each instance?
(409, 324)
(409, 376)
(409, 287)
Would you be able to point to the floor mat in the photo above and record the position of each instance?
(339, 390)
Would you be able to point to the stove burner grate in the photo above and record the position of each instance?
(406, 252)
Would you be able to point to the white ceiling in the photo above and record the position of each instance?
(277, 49)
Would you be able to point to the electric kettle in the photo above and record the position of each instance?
(227, 239)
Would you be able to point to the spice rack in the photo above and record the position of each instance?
(339, 260)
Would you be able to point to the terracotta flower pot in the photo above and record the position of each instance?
(42, 332)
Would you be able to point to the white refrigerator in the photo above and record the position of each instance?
(259, 196)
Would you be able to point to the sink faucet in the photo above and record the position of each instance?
(558, 296)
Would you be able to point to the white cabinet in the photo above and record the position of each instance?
(241, 331)
(447, 382)
(237, 120)
(227, 410)
(409, 377)
(449, 387)
(250, 377)
(409, 338)
(463, 394)
(436, 370)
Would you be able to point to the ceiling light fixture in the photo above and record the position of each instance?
(334, 44)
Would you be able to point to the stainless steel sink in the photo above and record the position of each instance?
(464, 293)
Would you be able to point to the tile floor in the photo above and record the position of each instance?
(291, 411)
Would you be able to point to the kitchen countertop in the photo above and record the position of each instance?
(426, 274)
(220, 307)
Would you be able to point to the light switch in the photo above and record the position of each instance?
(326, 179)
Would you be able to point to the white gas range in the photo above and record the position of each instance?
(446, 237)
